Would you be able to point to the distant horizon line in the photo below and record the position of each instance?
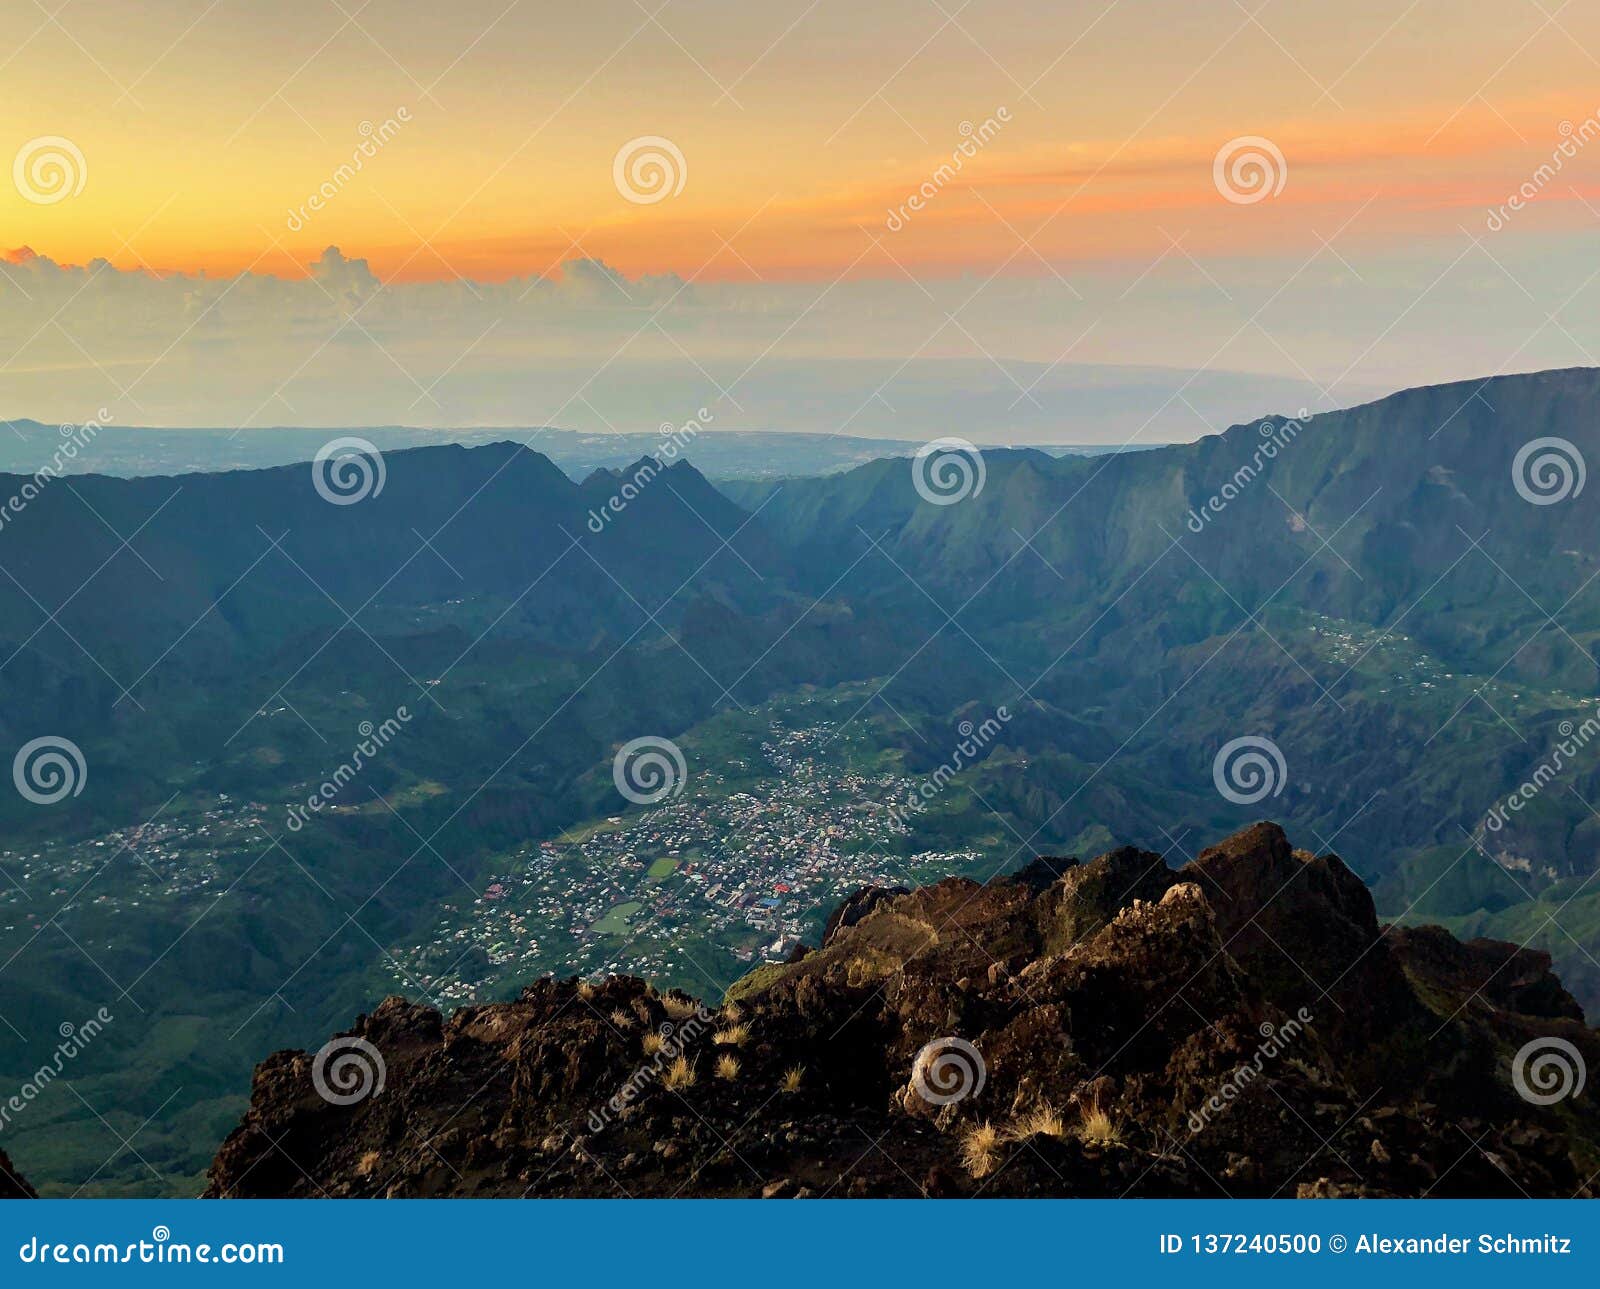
(710, 431)
(707, 432)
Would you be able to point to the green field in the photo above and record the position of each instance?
(662, 868)
(615, 922)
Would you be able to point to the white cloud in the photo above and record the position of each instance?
(1009, 359)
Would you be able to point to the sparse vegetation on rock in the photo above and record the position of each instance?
(1141, 1031)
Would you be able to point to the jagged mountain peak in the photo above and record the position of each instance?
(1240, 1025)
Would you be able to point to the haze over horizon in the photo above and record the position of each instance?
(401, 215)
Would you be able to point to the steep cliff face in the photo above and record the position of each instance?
(1239, 1026)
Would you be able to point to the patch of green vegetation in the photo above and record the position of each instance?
(754, 982)
(615, 921)
(579, 833)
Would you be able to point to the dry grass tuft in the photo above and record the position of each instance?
(731, 1036)
(651, 1043)
(727, 1066)
(680, 1074)
(733, 1012)
(621, 1019)
(980, 1145)
(1097, 1125)
(680, 1006)
(1044, 1120)
(585, 990)
(793, 1077)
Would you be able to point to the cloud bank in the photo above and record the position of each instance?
(1151, 353)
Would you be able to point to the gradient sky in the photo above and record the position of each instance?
(1089, 228)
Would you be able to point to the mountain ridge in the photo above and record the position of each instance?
(1401, 660)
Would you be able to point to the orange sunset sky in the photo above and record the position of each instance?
(1090, 215)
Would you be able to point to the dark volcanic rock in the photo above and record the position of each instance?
(857, 906)
(1241, 1026)
(12, 1183)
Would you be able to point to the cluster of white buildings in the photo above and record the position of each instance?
(690, 891)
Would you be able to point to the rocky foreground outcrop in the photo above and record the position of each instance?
(1239, 1026)
(13, 1185)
